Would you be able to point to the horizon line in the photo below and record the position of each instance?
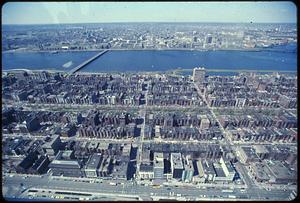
(148, 22)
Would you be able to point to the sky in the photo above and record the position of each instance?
(105, 12)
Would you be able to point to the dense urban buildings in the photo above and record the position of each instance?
(154, 130)
(149, 101)
(198, 36)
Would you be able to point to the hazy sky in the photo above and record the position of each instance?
(94, 12)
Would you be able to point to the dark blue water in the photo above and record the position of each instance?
(276, 58)
(166, 60)
(44, 60)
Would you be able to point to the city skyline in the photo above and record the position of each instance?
(123, 12)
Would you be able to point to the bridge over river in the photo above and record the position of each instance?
(77, 68)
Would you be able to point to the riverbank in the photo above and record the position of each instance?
(117, 49)
(32, 71)
(172, 71)
(254, 49)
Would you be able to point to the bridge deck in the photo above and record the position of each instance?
(77, 68)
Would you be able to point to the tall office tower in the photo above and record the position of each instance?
(199, 75)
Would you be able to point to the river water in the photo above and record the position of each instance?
(281, 59)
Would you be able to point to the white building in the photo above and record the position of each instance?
(199, 75)
(204, 122)
(158, 165)
(227, 169)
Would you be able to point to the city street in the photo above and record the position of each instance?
(129, 189)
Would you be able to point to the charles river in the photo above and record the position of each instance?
(282, 58)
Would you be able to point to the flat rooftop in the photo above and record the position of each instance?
(65, 163)
(146, 168)
(261, 149)
(208, 167)
(51, 141)
(159, 164)
(219, 172)
(94, 161)
(176, 159)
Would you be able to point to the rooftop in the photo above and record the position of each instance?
(159, 164)
(146, 167)
(64, 155)
(208, 167)
(176, 160)
(66, 162)
(219, 171)
(158, 156)
(280, 171)
(51, 141)
(94, 161)
(260, 149)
